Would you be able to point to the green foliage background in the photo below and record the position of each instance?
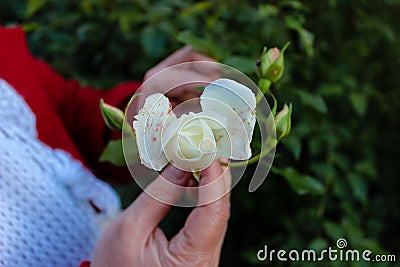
(337, 175)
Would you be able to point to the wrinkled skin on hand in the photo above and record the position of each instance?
(134, 238)
(163, 82)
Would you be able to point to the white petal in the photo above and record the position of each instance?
(175, 126)
(190, 151)
(237, 104)
(218, 126)
(149, 123)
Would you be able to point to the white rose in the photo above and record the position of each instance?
(192, 142)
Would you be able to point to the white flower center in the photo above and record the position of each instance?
(196, 139)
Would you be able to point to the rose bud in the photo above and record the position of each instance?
(272, 63)
(113, 116)
(283, 122)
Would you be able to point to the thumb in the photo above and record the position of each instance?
(151, 206)
(205, 227)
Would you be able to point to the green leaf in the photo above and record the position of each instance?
(316, 102)
(333, 230)
(307, 40)
(153, 41)
(359, 103)
(87, 7)
(372, 245)
(358, 186)
(331, 89)
(318, 244)
(302, 184)
(113, 153)
(244, 64)
(295, 22)
(195, 42)
(205, 45)
(124, 23)
(367, 168)
(196, 8)
(33, 6)
(293, 144)
(267, 10)
(294, 4)
(324, 169)
(30, 27)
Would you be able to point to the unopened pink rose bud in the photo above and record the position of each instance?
(272, 64)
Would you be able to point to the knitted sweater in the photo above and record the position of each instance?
(52, 208)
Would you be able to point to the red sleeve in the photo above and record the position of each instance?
(85, 264)
(67, 115)
(79, 109)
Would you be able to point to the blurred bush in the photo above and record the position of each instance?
(337, 175)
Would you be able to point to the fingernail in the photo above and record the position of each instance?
(175, 175)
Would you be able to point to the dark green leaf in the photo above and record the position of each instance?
(331, 90)
(358, 186)
(359, 103)
(196, 8)
(302, 184)
(33, 6)
(152, 41)
(113, 153)
(316, 102)
(244, 64)
(333, 230)
(293, 144)
(267, 10)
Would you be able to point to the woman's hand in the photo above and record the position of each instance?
(179, 83)
(134, 238)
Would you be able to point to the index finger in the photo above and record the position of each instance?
(146, 212)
